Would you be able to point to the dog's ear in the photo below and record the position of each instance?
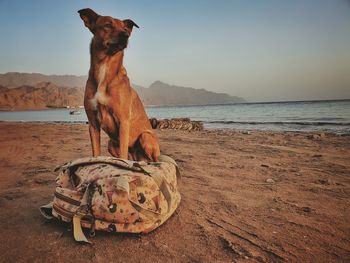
(130, 24)
(89, 17)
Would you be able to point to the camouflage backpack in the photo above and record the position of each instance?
(114, 195)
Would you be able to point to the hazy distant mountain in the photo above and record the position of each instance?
(160, 93)
(38, 91)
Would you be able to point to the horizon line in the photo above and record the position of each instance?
(247, 101)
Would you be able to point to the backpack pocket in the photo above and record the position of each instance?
(110, 201)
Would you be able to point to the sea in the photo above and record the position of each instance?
(319, 116)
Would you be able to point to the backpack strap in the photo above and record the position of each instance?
(46, 211)
(122, 163)
(164, 188)
(82, 211)
(77, 230)
(163, 185)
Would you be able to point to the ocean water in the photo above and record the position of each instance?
(327, 116)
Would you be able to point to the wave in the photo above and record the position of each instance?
(317, 119)
(303, 123)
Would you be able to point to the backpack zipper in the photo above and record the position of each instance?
(67, 199)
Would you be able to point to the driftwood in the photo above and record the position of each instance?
(177, 124)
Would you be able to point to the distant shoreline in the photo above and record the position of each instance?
(206, 128)
(190, 105)
(320, 116)
(243, 131)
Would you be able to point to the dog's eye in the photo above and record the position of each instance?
(108, 26)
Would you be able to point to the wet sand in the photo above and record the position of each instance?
(257, 197)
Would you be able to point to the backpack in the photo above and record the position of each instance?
(114, 195)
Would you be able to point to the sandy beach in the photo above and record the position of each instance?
(252, 197)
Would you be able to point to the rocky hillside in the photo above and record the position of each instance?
(20, 91)
(16, 79)
(40, 96)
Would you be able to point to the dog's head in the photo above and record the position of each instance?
(111, 34)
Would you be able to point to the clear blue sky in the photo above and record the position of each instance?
(260, 50)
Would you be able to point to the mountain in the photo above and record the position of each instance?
(20, 91)
(160, 93)
(16, 79)
(40, 96)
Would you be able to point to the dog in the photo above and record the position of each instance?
(111, 104)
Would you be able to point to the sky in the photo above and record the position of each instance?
(261, 50)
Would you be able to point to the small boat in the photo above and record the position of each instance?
(74, 112)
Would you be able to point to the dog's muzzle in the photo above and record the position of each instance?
(118, 44)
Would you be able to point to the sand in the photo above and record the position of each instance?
(262, 196)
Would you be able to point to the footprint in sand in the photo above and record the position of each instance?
(12, 195)
(15, 151)
(44, 158)
(43, 181)
(36, 170)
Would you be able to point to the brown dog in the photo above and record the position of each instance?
(110, 102)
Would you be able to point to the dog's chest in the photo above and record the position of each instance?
(100, 96)
(101, 74)
(107, 121)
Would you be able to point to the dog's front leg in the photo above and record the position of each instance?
(91, 113)
(95, 137)
(124, 139)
